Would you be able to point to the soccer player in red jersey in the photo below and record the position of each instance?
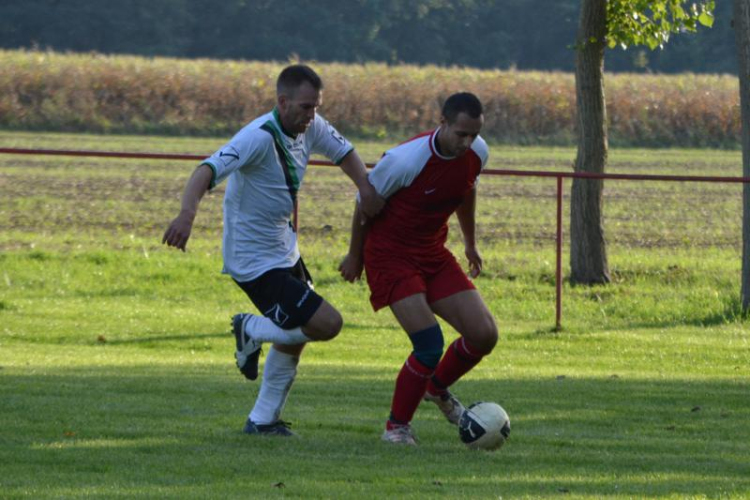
(424, 181)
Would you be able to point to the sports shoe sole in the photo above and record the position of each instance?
(249, 368)
(279, 428)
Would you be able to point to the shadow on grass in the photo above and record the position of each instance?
(163, 426)
(158, 339)
(717, 319)
(730, 314)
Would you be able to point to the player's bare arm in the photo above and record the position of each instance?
(352, 265)
(178, 232)
(466, 213)
(371, 202)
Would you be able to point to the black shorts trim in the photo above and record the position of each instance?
(284, 295)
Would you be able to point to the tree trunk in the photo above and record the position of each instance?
(742, 37)
(588, 254)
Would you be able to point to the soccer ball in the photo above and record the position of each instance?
(484, 426)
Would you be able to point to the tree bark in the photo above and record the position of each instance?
(588, 254)
(742, 38)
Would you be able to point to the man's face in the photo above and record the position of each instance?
(297, 108)
(455, 138)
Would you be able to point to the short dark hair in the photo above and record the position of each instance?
(295, 75)
(462, 102)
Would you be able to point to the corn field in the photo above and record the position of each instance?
(50, 91)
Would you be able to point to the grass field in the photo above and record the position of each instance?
(117, 376)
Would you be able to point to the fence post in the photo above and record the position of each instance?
(558, 271)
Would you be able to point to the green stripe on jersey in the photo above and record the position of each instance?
(290, 168)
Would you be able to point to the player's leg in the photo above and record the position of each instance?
(287, 297)
(467, 313)
(302, 309)
(395, 282)
(325, 323)
(279, 373)
(292, 314)
(287, 301)
(416, 318)
(452, 296)
(281, 366)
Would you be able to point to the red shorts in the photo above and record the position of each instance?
(393, 278)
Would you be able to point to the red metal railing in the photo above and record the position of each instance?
(586, 175)
(559, 176)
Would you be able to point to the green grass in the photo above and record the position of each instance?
(117, 377)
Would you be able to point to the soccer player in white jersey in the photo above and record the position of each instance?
(264, 165)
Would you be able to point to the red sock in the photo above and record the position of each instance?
(410, 387)
(459, 358)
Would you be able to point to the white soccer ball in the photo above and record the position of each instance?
(484, 426)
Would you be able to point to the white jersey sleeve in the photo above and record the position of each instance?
(248, 147)
(481, 149)
(328, 142)
(399, 167)
(479, 146)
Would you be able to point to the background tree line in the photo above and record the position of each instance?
(525, 34)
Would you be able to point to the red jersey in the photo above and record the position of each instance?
(423, 189)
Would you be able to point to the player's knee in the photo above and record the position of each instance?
(486, 336)
(331, 325)
(325, 324)
(428, 345)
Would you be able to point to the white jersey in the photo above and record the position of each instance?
(265, 168)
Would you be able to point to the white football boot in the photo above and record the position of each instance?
(448, 404)
(400, 434)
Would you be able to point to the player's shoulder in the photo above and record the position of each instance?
(259, 123)
(480, 148)
(257, 130)
(319, 121)
(319, 125)
(400, 165)
(417, 146)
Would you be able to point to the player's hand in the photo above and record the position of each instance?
(351, 268)
(475, 261)
(178, 232)
(370, 202)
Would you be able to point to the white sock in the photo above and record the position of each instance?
(263, 329)
(278, 375)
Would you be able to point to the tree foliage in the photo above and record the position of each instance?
(651, 22)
